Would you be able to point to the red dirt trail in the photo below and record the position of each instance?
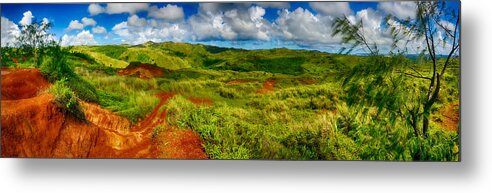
(143, 71)
(268, 86)
(33, 126)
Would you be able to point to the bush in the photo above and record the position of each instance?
(66, 99)
(83, 56)
(55, 68)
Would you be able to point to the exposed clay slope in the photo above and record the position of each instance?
(33, 126)
(36, 127)
(22, 83)
(143, 71)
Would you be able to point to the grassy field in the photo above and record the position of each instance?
(274, 104)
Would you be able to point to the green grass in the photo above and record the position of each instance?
(133, 105)
(67, 100)
(129, 97)
(112, 51)
(323, 106)
(151, 56)
(56, 67)
(101, 57)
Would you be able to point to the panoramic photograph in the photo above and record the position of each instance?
(371, 81)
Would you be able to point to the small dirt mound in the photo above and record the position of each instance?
(268, 86)
(143, 71)
(451, 117)
(22, 83)
(201, 101)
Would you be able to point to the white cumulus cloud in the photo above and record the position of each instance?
(139, 30)
(9, 32)
(217, 21)
(27, 18)
(276, 5)
(335, 9)
(134, 20)
(99, 30)
(95, 9)
(117, 8)
(303, 27)
(75, 25)
(83, 38)
(401, 10)
(168, 12)
(131, 8)
(88, 21)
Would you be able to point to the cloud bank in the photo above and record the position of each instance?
(270, 23)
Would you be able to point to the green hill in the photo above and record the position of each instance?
(175, 56)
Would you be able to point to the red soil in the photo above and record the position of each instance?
(143, 71)
(22, 83)
(268, 86)
(180, 144)
(33, 126)
(201, 101)
(451, 117)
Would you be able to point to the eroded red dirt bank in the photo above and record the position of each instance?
(143, 71)
(33, 126)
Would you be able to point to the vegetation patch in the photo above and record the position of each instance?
(67, 100)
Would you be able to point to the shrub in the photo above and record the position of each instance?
(55, 68)
(66, 99)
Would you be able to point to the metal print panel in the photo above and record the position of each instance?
(255, 80)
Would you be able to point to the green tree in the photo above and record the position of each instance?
(384, 78)
(34, 38)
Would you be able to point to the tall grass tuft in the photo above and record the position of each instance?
(66, 99)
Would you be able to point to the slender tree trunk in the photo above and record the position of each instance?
(428, 106)
(414, 123)
(35, 58)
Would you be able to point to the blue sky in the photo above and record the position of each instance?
(296, 25)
